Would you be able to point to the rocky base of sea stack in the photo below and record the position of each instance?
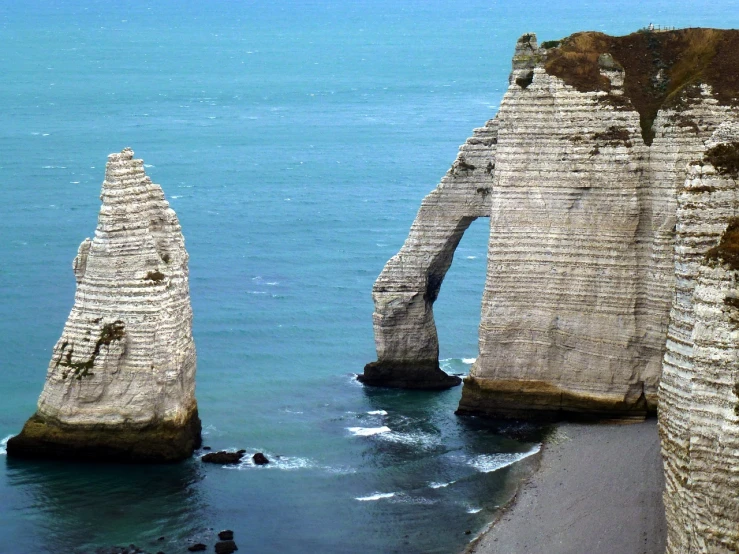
(164, 442)
(407, 375)
(542, 401)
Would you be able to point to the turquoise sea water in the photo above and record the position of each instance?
(295, 140)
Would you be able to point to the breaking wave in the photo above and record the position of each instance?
(4, 445)
(487, 463)
(368, 431)
(377, 412)
(376, 496)
(441, 485)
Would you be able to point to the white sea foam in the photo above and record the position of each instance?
(376, 496)
(149, 165)
(4, 445)
(377, 412)
(472, 510)
(440, 485)
(468, 360)
(424, 440)
(174, 197)
(486, 463)
(368, 431)
(471, 257)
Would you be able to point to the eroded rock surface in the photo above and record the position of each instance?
(699, 390)
(121, 382)
(591, 143)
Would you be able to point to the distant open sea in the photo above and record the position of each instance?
(295, 140)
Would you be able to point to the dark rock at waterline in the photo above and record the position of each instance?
(130, 549)
(260, 459)
(223, 457)
(206, 448)
(199, 547)
(226, 547)
(226, 535)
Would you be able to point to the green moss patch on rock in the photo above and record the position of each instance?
(658, 66)
(156, 276)
(725, 158)
(727, 250)
(613, 136)
(109, 333)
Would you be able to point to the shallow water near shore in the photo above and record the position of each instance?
(295, 141)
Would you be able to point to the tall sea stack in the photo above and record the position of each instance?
(121, 381)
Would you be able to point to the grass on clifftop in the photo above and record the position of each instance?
(658, 66)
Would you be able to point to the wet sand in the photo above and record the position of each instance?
(598, 490)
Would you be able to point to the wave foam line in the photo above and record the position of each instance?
(441, 485)
(487, 463)
(377, 412)
(376, 496)
(368, 431)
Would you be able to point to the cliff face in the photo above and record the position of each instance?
(613, 257)
(699, 390)
(121, 381)
(580, 273)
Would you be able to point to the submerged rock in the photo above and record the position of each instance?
(199, 547)
(226, 535)
(223, 457)
(121, 382)
(226, 547)
(260, 459)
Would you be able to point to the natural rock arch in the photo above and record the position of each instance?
(405, 292)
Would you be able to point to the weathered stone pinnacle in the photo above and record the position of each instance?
(121, 382)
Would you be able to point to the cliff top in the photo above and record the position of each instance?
(658, 66)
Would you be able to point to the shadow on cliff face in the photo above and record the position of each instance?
(658, 66)
(86, 503)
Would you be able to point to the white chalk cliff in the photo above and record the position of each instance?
(121, 381)
(602, 279)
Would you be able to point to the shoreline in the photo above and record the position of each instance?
(597, 488)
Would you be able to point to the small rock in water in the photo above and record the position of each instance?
(226, 535)
(199, 547)
(226, 547)
(260, 459)
(206, 448)
(223, 457)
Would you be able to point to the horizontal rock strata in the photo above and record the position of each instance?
(591, 144)
(121, 382)
(699, 390)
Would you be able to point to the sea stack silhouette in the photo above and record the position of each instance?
(121, 382)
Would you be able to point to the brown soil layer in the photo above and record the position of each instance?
(659, 67)
(408, 375)
(544, 402)
(163, 442)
